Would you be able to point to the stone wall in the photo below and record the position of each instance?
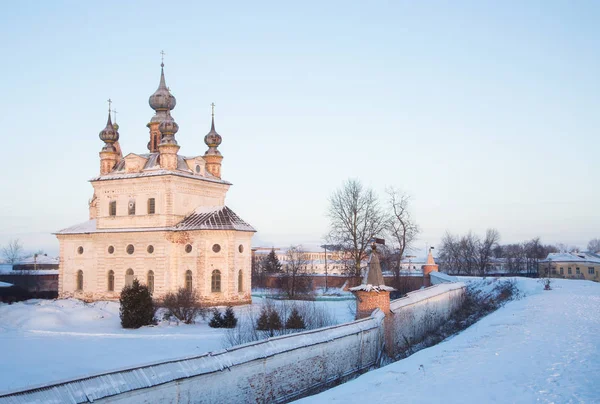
(421, 312)
(275, 370)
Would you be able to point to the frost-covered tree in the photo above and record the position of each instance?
(13, 251)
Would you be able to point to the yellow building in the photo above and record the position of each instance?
(159, 217)
(571, 266)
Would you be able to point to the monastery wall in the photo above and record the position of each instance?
(420, 312)
(279, 369)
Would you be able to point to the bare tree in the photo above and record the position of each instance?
(13, 251)
(468, 254)
(355, 219)
(401, 228)
(594, 245)
(485, 249)
(295, 269)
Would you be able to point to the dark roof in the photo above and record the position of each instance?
(203, 218)
(213, 218)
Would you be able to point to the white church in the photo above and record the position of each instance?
(159, 217)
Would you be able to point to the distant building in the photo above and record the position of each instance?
(584, 265)
(36, 262)
(316, 262)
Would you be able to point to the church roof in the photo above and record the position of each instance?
(152, 169)
(203, 218)
(213, 218)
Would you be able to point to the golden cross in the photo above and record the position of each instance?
(162, 56)
(213, 109)
(115, 112)
(109, 103)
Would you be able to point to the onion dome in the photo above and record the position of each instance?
(213, 139)
(168, 128)
(115, 125)
(162, 99)
(109, 134)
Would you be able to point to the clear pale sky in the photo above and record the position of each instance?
(487, 113)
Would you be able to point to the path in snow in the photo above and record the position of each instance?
(543, 348)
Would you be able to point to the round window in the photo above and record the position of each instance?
(150, 249)
(216, 248)
(188, 248)
(130, 249)
(241, 248)
(111, 249)
(80, 250)
(198, 169)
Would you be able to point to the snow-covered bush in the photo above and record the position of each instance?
(137, 308)
(184, 305)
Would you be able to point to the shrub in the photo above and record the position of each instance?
(274, 320)
(184, 305)
(262, 323)
(269, 320)
(217, 319)
(295, 321)
(229, 320)
(137, 308)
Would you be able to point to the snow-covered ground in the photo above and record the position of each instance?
(44, 341)
(543, 348)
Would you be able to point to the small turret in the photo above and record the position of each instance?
(109, 154)
(213, 156)
(168, 146)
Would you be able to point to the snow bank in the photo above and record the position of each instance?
(541, 348)
(277, 367)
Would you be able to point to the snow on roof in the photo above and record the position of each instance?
(40, 259)
(573, 257)
(157, 172)
(8, 270)
(213, 218)
(203, 218)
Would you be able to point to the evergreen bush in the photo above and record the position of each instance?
(274, 320)
(217, 319)
(295, 321)
(137, 308)
(262, 324)
(229, 320)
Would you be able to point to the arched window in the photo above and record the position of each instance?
(240, 281)
(79, 280)
(150, 282)
(111, 281)
(215, 281)
(188, 280)
(129, 277)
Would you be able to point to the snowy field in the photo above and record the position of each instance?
(543, 348)
(45, 341)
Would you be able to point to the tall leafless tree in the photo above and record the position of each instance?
(594, 245)
(295, 270)
(13, 251)
(401, 228)
(355, 218)
(468, 254)
(485, 249)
